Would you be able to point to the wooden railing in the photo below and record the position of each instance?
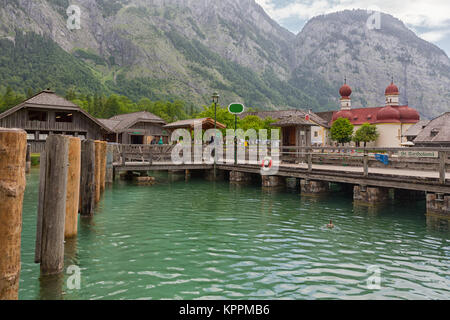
(418, 159)
(141, 153)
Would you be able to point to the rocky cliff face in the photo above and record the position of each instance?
(340, 44)
(188, 48)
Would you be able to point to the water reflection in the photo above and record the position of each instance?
(51, 287)
(438, 223)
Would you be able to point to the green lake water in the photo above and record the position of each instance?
(213, 240)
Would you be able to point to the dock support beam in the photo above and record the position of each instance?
(438, 204)
(370, 195)
(272, 181)
(12, 187)
(310, 187)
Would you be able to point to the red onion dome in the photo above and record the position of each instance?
(392, 89)
(388, 114)
(408, 115)
(345, 91)
(343, 114)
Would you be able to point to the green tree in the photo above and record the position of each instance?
(10, 99)
(342, 130)
(112, 106)
(367, 133)
(223, 115)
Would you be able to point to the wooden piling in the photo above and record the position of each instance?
(54, 204)
(13, 144)
(73, 188)
(40, 214)
(109, 179)
(103, 150)
(98, 170)
(87, 185)
(28, 159)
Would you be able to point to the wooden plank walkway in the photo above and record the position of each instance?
(431, 175)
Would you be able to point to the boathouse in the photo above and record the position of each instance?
(136, 128)
(206, 124)
(299, 128)
(47, 113)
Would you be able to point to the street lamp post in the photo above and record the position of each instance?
(215, 100)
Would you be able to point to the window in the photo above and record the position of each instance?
(31, 136)
(37, 115)
(316, 134)
(82, 136)
(434, 132)
(64, 117)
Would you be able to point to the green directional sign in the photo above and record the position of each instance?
(236, 108)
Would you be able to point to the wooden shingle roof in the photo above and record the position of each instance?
(123, 122)
(50, 100)
(437, 130)
(414, 130)
(289, 117)
(189, 123)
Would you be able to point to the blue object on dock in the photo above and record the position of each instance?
(384, 158)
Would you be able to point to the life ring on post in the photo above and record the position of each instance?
(267, 163)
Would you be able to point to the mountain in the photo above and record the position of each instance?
(186, 49)
(339, 44)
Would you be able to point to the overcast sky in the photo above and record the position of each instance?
(429, 19)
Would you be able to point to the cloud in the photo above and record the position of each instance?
(435, 36)
(416, 13)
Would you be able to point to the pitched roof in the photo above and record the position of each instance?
(293, 121)
(111, 124)
(326, 115)
(295, 116)
(125, 121)
(437, 130)
(50, 100)
(189, 123)
(414, 130)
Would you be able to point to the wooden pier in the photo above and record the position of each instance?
(411, 170)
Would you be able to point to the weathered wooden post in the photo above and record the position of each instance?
(98, 170)
(150, 155)
(366, 163)
(103, 149)
(50, 243)
(310, 156)
(28, 159)
(12, 187)
(109, 178)
(73, 188)
(87, 185)
(123, 155)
